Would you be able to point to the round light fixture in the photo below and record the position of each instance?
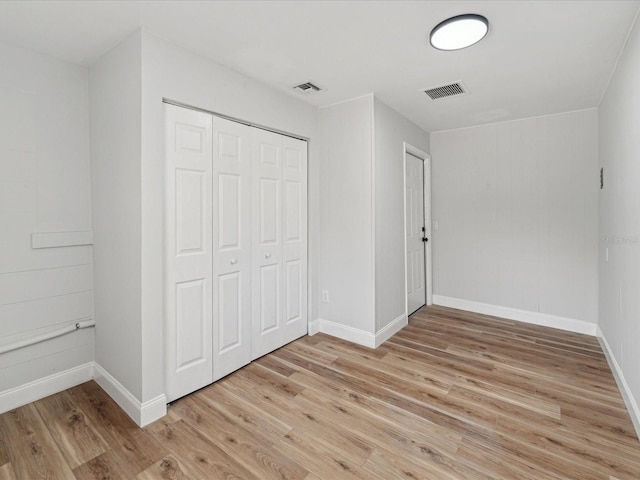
(459, 32)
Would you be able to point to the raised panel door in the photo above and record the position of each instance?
(188, 302)
(414, 224)
(231, 246)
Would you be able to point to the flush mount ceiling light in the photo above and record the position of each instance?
(459, 32)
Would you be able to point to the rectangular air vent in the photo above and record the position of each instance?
(446, 91)
(307, 87)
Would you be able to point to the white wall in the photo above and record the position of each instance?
(346, 214)
(44, 187)
(619, 312)
(516, 204)
(390, 131)
(115, 82)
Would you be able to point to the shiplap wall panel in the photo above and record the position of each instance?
(516, 203)
(44, 187)
(45, 349)
(40, 367)
(17, 255)
(37, 284)
(17, 318)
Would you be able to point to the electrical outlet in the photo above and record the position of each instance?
(436, 226)
(325, 296)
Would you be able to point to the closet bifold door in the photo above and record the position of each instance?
(188, 251)
(231, 246)
(279, 238)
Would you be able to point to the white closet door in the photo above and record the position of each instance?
(188, 272)
(294, 234)
(279, 241)
(236, 246)
(231, 246)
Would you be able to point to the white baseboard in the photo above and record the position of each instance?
(141, 413)
(43, 387)
(314, 327)
(152, 410)
(355, 335)
(536, 318)
(391, 329)
(627, 395)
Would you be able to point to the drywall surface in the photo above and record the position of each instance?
(346, 214)
(44, 188)
(619, 251)
(391, 130)
(516, 208)
(115, 82)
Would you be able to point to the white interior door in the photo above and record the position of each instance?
(279, 225)
(231, 246)
(415, 232)
(188, 356)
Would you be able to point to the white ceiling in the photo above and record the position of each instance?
(539, 57)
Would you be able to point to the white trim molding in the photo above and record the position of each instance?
(43, 387)
(355, 335)
(388, 331)
(536, 318)
(142, 413)
(627, 395)
(314, 327)
(350, 334)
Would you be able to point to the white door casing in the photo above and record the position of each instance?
(279, 226)
(188, 268)
(231, 246)
(415, 231)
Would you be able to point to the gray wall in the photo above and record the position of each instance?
(44, 187)
(619, 315)
(516, 203)
(116, 81)
(346, 211)
(391, 130)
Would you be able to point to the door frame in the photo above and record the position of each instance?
(428, 265)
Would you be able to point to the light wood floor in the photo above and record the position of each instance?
(453, 396)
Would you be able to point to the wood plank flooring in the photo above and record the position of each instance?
(454, 395)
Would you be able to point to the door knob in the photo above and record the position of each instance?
(267, 255)
(233, 261)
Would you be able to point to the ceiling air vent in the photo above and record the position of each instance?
(446, 91)
(307, 88)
